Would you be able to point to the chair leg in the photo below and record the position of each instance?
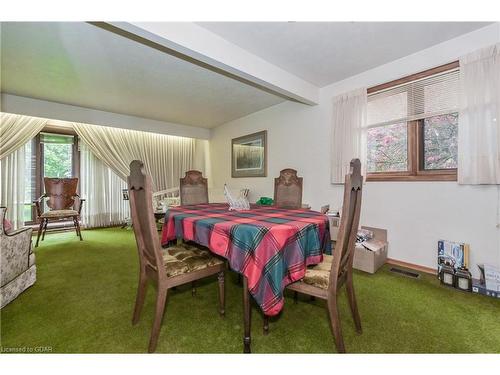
(222, 293)
(161, 298)
(335, 323)
(266, 325)
(40, 228)
(351, 296)
(77, 227)
(45, 228)
(193, 288)
(141, 294)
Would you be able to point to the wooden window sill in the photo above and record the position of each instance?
(427, 176)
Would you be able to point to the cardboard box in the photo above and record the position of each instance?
(492, 278)
(479, 288)
(367, 260)
(371, 260)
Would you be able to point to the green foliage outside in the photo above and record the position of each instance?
(57, 160)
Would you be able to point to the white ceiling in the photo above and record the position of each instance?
(84, 65)
(326, 52)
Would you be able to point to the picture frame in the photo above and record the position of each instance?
(125, 195)
(249, 155)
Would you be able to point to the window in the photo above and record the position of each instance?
(57, 155)
(412, 129)
(53, 153)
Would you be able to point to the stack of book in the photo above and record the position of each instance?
(453, 265)
(453, 254)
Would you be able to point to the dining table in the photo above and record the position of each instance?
(270, 247)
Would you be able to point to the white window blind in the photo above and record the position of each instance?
(430, 96)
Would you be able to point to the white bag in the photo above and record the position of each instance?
(239, 204)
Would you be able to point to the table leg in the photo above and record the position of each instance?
(247, 316)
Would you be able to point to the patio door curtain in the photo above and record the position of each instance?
(166, 158)
(102, 189)
(16, 131)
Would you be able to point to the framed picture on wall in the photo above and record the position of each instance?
(249, 155)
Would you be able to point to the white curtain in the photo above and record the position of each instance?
(479, 118)
(102, 189)
(348, 133)
(16, 131)
(12, 186)
(165, 157)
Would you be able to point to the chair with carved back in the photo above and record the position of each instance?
(325, 279)
(165, 268)
(288, 189)
(63, 203)
(193, 188)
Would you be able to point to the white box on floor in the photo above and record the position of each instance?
(372, 254)
(367, 260)
(334, 226)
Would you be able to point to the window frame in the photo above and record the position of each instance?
(415, 139)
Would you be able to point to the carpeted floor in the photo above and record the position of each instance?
(83, 298)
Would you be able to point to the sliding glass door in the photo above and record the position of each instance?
(52, 154)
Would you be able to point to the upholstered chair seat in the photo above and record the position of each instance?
(59, 213)
(184, 258)
(319, 275)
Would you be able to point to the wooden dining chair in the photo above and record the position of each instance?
(63, 203)
(325, 279)
(288, 189)
(193, 188)
(165, 268)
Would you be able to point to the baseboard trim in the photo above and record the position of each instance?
(411, 266)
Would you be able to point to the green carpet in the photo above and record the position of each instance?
(83, 299)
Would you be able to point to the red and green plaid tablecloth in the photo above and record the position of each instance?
(270, 246)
